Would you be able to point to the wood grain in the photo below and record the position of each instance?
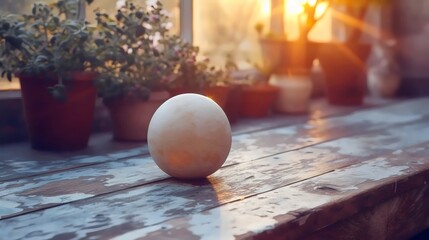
(398, 218)
(86, 182)
(251, 197)
(293, 211)
(19, 160)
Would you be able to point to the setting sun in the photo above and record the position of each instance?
(296, 7)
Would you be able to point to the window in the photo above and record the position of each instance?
(13, 6)
(223, 29)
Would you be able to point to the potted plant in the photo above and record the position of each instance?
(223, 90)
(199, 76)
(52, 54)
(280, 54)
(257, 97)
(289, 62)
(258, 100)
(139, 61)
(344, 63)
(193, 76)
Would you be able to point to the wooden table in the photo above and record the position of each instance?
(337, 173)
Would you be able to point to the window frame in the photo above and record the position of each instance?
(186, 20)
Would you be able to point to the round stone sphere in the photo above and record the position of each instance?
(189, 136)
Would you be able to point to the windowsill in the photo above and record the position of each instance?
(10, 94)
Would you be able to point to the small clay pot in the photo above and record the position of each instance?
(294, 92)
(54, 125)
(131, 117)
(345, 72)
(219, 94)
(233, 103)
(258, 100)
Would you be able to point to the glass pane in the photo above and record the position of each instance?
(16, 6)
(24, 6)
(171, 6)
(225, 29)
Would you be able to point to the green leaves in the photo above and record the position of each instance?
(5, 26)
(99, 42)
(13, 41)
(134, 62)
(58, 92)
(46, 42)
(140, 30)
(7, 74)
(139, 14)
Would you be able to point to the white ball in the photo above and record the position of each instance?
(189, 136)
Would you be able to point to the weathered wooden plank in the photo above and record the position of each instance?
(398, 218)
(274, 141)
(19, 161)
(89, 182)
(319, 109)
(257, 146)
(110, 215)
(293, 211)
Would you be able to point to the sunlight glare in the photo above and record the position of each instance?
(266, 7)
(294, 7)
(321, 9)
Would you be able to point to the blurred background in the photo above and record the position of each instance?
(225, 30)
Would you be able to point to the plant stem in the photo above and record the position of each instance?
(45, 32)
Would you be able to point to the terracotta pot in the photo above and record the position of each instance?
(282, 56)
(345, 72)
(258, 100)
(131, 117)
(219, 94)
(233, 103)
(55, 125)
(222, 95)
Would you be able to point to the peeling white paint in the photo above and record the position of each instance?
(33, 201)
(393, 139)
(94, 159)
(397, 152)
(8, 207)
(138, 170)
(129, 152)
(381, 116)
(348, 179)
(158, 203)
(165, 203)
(231, 220)
(241, 217)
